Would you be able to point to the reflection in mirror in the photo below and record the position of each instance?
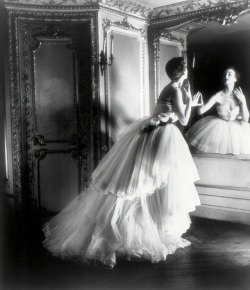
(216, 54)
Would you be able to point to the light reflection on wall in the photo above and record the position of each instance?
(125, 83)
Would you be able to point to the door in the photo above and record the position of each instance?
(52, 116)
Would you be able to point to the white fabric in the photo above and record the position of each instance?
(137, 204)
(216, 135)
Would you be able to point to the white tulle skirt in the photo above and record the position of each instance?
(214, 135)
(137, 204)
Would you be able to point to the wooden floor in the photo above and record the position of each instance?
(219, 258)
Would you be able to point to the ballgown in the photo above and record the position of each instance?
(138, 202)
(223, 134)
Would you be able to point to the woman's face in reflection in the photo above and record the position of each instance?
(229, 77)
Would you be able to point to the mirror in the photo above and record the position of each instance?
(210, 49)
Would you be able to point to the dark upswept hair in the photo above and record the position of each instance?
(237, 74)
(175, 68)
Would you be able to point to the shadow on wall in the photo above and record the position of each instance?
(115, 122)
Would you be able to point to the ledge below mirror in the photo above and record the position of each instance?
(224, 187)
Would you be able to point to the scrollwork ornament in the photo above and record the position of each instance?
(128, 6)
(40, 154)
(39, 140)
(156, 43)
(124, 24)
(169, 36)
(75, 153)
(226, 15)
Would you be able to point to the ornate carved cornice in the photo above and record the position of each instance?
(225, 12)
(227, 15)
(54, 2)
(123, 25)
(190, 6)
(129, 7)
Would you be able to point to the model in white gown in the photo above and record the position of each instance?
(137, 205)
(229, 131)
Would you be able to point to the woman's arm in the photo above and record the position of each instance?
(183, 111)
(212, 101)
(243, 104)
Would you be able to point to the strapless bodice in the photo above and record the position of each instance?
(226, 114)
(165, 107)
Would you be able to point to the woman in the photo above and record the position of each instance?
(229, 132)
(138, 202)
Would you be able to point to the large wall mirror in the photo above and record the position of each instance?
(211, 48)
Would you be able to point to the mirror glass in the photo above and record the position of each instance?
(210, 49)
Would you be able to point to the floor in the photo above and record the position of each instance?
(219, 258)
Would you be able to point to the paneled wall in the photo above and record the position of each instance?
(224, 187)
(124, 84)
(53, 107)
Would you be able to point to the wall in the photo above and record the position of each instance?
(123, 86)
(224, 187)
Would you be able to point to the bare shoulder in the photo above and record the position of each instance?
(219, 97)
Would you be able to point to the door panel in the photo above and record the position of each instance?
(57, 169)
(54, 89)
(56, 94)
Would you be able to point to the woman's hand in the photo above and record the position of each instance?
(186, 89)
(240, 96)
(196, 98)
(243, 104)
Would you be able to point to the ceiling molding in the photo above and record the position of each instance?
(129, 7)
(225, 14)
(189, 6)
(222, 11)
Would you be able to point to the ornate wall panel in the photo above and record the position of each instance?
(166, 46)
(55, 103)
(55, 95)
(125, 79)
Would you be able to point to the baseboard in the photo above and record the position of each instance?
(216, 213)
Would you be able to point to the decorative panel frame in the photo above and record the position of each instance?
(167, 38)
(50, 41)
(125, 28)
(21, 108)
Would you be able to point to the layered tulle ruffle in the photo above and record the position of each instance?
(214, 135)
(137, 204)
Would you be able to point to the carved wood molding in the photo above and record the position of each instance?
(20, 48)
(124, 24)
(225, 12)
(204, 10)
(129, 7)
